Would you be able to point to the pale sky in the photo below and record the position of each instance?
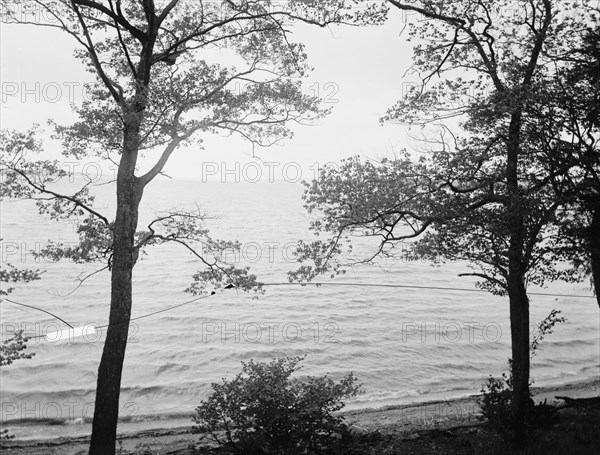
(359, 69)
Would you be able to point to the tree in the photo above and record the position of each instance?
(487, 197)
(13, 348)
(566, 120)
(157, 90)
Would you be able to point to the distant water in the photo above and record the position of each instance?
(404, 344)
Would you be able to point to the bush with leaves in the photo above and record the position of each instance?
(13, 349)
(265, 411)
(496, 400)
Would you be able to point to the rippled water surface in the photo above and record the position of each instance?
(402, 343)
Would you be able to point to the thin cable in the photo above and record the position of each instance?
(439, 288)
(120, 322)
(407, 286)
(163, 310)
(39, 309)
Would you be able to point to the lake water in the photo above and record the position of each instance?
(404, 344)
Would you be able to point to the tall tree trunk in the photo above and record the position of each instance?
(594, 236)
(519, 330)
(106, 411)
(519, 303)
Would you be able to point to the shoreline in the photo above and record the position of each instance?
(172, 432)
(463, 410)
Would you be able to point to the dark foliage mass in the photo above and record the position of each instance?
(264, 410)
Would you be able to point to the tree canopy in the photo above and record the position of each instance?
(489, 190)
(168, 73)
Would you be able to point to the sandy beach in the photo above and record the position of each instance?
(407, 422)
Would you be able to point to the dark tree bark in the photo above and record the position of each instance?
(594, 236)
(517, 294)
(519, 326)
(129, 194)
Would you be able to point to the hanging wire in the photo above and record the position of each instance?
(411, 286)
(121, 322)
(378, 285)
(164, 310)
(39, 309)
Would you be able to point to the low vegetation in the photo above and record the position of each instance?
(496, 400)
(264, 410)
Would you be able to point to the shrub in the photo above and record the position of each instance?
(543, 415)
(5, 434)
(496, 400)
(496, 403)
(11, 350)
(264, 411)
(496, 407)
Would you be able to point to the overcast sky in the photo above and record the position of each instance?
(359, 71)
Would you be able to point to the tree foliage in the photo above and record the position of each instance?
(493, 191)
(13, 348)
(264, 410)
(497, 393)
(566, 119)
(168, 73)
